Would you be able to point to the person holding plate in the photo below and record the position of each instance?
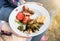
(6, 6)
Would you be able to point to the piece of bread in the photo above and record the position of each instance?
(41, 19)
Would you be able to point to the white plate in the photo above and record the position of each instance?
(39, 10)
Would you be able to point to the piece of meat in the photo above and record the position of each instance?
(25, 8)
(26, 13)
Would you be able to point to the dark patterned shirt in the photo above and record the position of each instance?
(12, 3)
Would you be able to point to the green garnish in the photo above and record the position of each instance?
(18, 22)
(21, 28)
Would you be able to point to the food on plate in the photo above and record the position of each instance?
(26, 19)
(24, 16)
(31, 25)
(27, 11)
(30, 11)
(20, 16)
(41, 19)
(25, 8)
(29, 31)
(21, 28)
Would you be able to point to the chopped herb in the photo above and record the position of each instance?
(18, 22)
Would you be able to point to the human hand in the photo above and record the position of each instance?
(13, 37)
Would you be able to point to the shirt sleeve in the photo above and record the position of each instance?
(2, 2)
(13, 3)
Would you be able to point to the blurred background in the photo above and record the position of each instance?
(53, 6)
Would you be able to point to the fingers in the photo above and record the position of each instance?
(1, 39)
(22, 36)
(7, 38)
(13, 38)
(26, 36)
(16, 38)
(5, 27)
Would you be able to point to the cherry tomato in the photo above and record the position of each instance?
(26, 19)
(20, 16)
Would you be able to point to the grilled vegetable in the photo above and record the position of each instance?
(33, 25)
(29, 31)
(21, 28)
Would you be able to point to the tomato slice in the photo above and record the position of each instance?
(26, 19)
(20, 16)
